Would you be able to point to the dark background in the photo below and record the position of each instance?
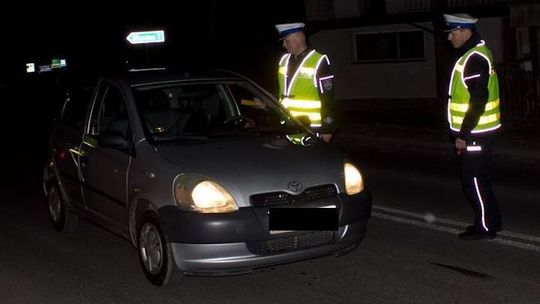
(239, 35)
(91, 36)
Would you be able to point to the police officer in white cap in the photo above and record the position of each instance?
(306, 84)
(474, 119)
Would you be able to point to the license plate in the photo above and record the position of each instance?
(289, 219)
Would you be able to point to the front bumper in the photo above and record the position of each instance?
(238, 258)
(237, 242)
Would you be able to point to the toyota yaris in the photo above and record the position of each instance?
(206, 173)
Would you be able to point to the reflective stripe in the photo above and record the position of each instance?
(89, 141)
(467, 60)
(317, 67)
(479, 131)
(463, 107)
(75, 151)
(309, 72)
(481, 203)
(288, 90)
(307, 104)
(474, 148)
(492, 105)
(284, 69)
(472, 77)
(284, 57)
(312, 116)
(483, 120)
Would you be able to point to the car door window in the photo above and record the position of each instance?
(110, 113)
(75, 107)
(258, 107)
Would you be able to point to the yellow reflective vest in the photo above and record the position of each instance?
(299, 93)
(458, 103)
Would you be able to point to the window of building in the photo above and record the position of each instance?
(389, 46)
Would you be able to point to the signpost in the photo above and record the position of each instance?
(146, 37)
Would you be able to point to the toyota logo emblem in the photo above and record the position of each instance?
(295, 186)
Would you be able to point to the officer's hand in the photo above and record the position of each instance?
(326, 137)
(460, 144)
(259, 103)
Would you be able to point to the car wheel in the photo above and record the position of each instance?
(61, 218)
(155, 252)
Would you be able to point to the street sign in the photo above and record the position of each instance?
(146, 37)
(55, 63)
(30, 67)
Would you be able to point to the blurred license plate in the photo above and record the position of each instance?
(287, 219)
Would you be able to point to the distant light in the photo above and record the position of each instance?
(58, 63)
(30, 67)
(146, 37)
(45, 68)
(55, 63)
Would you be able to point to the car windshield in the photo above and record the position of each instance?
(203, 110)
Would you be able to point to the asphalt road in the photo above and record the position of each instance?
(411, 253)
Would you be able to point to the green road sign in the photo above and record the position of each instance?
(146, 37)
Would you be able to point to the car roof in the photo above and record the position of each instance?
(142, 77)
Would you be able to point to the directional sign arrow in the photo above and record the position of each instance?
(146, 37)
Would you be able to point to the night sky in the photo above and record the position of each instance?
(91, 34)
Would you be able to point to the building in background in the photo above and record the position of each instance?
(393, 52)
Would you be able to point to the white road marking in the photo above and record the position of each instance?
(397, 216)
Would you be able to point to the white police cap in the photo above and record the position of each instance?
(286, 29)
(459, 21)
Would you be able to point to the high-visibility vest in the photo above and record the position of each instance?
(458, 103)
(299, 93)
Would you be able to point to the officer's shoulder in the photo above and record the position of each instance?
(478, 58)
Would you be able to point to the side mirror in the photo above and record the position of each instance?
(112, 139)
(304, 120)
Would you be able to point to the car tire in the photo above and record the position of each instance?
(62, 219)
(155, 254)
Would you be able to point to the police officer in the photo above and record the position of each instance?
(306, 85)
(474, 118)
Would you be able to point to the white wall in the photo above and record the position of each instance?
(393, 80)
(396, 80)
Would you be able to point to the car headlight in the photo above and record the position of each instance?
(199, 194)
(353, 179)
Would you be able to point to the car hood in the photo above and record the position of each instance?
(258, 165)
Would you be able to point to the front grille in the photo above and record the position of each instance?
(297, 242)
(283, 198)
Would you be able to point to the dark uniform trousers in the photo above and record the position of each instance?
(476, 176)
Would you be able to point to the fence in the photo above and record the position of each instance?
(520, 94)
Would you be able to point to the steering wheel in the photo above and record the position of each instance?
(162, 126)
(240, 120)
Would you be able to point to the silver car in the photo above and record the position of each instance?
(206, 173)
